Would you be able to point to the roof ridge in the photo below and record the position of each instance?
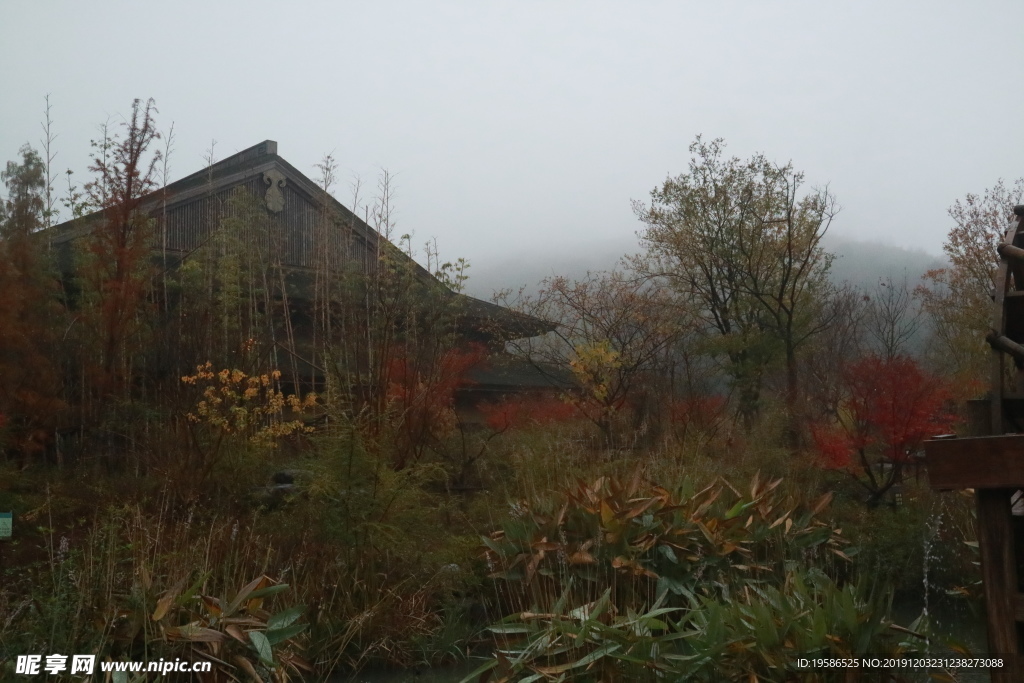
(265, 148)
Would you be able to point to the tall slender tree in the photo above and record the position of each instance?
(117, 271)
(49, 174)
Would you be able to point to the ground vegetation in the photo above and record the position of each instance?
(706, 488)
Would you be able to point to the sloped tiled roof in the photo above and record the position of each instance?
(257, 160)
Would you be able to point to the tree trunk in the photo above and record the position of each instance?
(792, 387)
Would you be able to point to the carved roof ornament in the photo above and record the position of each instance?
(275, 197)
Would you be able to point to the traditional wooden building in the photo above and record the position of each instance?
(309, 237)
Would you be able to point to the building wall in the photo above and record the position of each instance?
(303, 234)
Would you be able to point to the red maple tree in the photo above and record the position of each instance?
(891, 407)
(422, 397)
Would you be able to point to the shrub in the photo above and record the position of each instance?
(628, 581)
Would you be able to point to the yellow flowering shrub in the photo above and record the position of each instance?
(248, 405)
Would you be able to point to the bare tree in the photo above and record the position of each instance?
(49, 154)
(840, 342)
(892, 319)
(164, 177)
(614, 331)
(328, 172)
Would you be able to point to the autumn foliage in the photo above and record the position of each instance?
(30, 313)
(525, 411)
(958, 296)
(891, 407)
(115, 276)
(833, 445)
(421, 397)
(234, 402)
(700, 413)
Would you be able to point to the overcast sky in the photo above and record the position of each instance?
(522, 130)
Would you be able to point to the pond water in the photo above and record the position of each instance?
(954, 621)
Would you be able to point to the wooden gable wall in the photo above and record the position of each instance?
(305, 234)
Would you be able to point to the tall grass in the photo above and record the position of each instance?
(388, 566)
(358, 548)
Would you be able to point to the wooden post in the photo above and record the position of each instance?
(999, 576)
(994, 467)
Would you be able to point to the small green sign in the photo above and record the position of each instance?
(6, 524)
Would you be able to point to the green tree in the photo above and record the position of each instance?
(22, 212)
(29, 378)
(742, 239)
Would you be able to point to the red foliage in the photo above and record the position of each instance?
(891, 407)
(698, 412)
(834, 446)
(117, 274)
(423, 396)
(522, 411)
(411, 384)
(895, 406)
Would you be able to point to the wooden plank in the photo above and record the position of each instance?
(1010, 252)
(999, 576)
(987, 462)
(1005, 344)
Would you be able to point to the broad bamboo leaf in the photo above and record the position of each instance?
(247, 667)
(212, 605)
(194, 633)
(822, 503)
(167, 600)
(597, 654)
(262, 645)
(508, 628)
(235, 633)
(268, 591)
(286, 617)
(736, 510)
(278, 635)
(245, 593)
(668, 553)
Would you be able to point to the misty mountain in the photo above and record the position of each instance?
(860, 263)
(864, 263)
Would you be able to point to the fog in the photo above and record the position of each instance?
(860, 263)
(518, 133)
